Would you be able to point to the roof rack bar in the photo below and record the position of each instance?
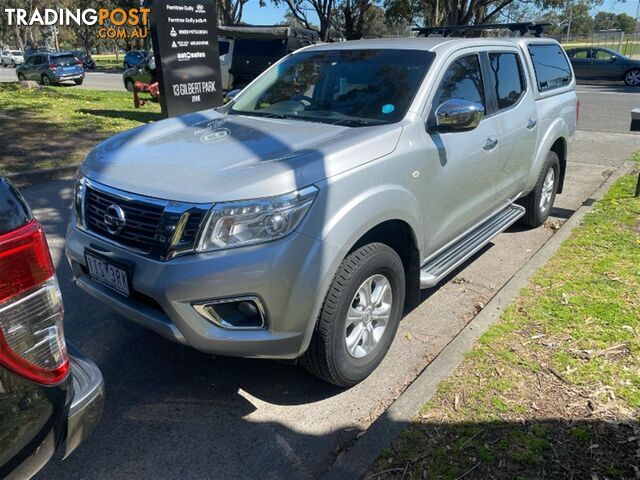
(522, 28)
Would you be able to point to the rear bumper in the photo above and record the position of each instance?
(75, 76)
(88, 400)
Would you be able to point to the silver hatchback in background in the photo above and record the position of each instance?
(300, 219)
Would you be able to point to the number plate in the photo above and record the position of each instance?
(105, 272)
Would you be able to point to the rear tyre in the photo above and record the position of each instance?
(78, 82)
(45, 80)
(13, 63)
(22, 78)
(632, 77)
(2, 63)
(359, 317)
(128, 84)
(540, 201)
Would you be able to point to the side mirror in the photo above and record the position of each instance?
(458, 115)
(613, 58)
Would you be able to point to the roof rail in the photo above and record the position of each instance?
(522, 28)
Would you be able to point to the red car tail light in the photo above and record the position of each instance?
(31, 334)
(52, 66)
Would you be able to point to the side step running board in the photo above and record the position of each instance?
(438, 267)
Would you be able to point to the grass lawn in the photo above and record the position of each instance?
(553, 389)
(47, 127)
(108, 62)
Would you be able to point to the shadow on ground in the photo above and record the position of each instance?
(137, 115)
(27, 143)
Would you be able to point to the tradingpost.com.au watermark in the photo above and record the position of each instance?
(111, 23)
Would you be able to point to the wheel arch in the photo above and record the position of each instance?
(399, 236)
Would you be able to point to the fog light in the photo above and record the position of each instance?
(234, 313)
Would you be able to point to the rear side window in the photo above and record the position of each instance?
(463, 80)
(551, 66)
(579, 54)
(13, 211)
(508, 78)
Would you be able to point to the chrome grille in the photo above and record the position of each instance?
(142, 219)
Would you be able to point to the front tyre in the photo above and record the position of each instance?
(359, 317)
(539, 202)
(78, 81)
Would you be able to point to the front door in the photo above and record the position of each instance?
(605, 65)
(460, 184)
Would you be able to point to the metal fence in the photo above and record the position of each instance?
(627, 44)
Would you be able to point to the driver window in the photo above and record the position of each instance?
(462, 80)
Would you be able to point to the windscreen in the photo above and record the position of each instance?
(347, 87)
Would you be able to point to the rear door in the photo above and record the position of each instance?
(581, 61)
(516, 117)
(460, 187)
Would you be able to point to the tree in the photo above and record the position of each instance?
(578, 18)
(300, 11)
(230, 11)
(376, 25)
(626, 23)
(605, 21)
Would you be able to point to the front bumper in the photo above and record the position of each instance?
(290, 277)
(87, 403)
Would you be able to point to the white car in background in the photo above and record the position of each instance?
(11, 58)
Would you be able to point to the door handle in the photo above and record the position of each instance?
(531, 124)
(490, 143)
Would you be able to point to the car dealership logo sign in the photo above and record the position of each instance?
(111, 23)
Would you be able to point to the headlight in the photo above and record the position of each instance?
(78, 200)
(237, 224)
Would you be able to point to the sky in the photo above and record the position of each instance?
(271, 14)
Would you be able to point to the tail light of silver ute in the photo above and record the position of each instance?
(31, 337)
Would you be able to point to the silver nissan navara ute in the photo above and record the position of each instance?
(301, 219)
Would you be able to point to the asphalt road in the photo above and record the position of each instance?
(605, 106)
(93, 80)
(172, 412)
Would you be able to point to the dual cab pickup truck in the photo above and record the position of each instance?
(299, 220)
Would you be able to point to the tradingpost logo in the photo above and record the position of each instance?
(116, 23)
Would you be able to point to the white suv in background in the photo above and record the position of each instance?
(11, 58)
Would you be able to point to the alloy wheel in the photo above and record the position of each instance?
(368, 316)
(547, 190)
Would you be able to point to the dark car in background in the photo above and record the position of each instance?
(52, 68)
(86, 59)
(50, 396)
(596, 63)
(143, 72)
(134, 58)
